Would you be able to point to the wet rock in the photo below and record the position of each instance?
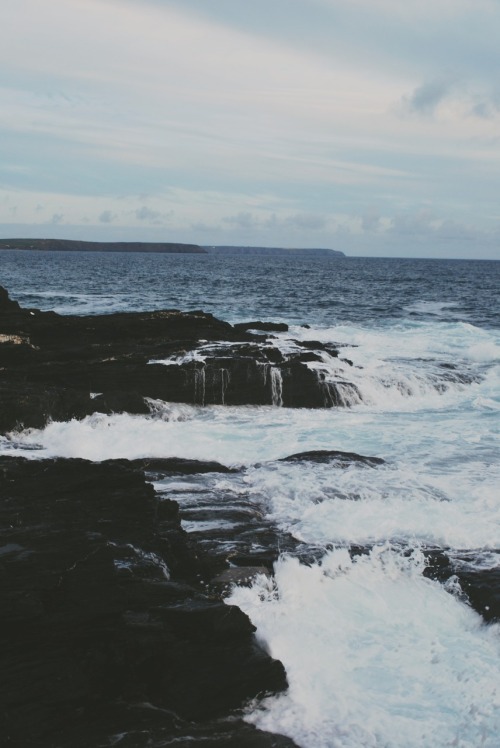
(303, 387)
(341, 459)
(482, 588)
(101, 605)
(316, 345)
(479, 587)
(179, 466)
(264, 326)
(62, 367)
(242, 576)
(31, 405)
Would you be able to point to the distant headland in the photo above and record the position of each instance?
(71, 245)
(273, 251)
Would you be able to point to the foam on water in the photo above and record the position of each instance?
(407, 365)
(434, 308)
(376, 655)
(439, 486)
(320, 504)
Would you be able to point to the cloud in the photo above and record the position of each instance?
(146, 214)
(420, 223)
(370, 222)
(307, 221)
(266, 220)
(426, 98)
(107, 216)
(243, 220)
(57, 218)
(462, 99)
(425, 224)
(203, 226)
(486, 106)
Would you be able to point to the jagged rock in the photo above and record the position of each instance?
(479, 587)
(101, 606)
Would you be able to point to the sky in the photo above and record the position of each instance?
(366, 126)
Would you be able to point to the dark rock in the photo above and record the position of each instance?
(304, 388)
(142, 726)
(7, 304)
(101, 605)
(55, 367)
(341, 459)
(482, 588)
(316, 345)
(179, 466)
(264, 326)
(31, 405)
(479, 587)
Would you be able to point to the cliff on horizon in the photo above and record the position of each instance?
(273, 251)
(72, 245)
(69, 245)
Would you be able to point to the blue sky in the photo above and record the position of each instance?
(369, 126)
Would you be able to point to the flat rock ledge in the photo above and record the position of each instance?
(106, 626)
(62, 367)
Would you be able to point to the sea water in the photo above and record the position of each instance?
(377, 655)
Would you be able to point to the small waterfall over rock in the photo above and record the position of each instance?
(210, 385)
(276, 386)
(273, 380)
(338, 394)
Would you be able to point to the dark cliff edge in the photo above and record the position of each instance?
(69, 245)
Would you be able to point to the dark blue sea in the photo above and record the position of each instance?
(318, 291)
(377, 654)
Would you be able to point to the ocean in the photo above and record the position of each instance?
(377, 654)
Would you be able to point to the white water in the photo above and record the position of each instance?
(377, 656)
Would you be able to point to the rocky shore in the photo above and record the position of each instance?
(112, 617)
(113, 624)
(63, 367)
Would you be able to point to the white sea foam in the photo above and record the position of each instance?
(319, 504)
(404, 366)
(403, 339)
(434, 308)
(376, 655)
